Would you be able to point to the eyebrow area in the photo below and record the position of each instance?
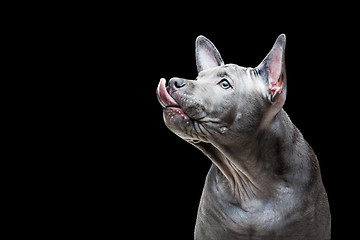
(222, 74)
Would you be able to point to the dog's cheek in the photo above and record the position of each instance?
(222, 109)
(248, 121)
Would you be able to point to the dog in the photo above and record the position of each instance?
(265, 181)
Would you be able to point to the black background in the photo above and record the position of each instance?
(132, 175)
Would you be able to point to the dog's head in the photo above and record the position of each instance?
(225, 102)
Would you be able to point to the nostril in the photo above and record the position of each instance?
(177, 82)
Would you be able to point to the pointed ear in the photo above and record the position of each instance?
(273, 72)
(207, 56)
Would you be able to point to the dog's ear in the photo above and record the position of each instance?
(207, 56)
(273, 72)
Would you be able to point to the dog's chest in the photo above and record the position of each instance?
(219, 218)
(258, 218)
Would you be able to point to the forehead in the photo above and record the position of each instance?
(230, 70)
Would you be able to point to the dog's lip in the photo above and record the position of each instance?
(163, 95)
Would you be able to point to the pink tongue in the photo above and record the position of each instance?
(163, 96)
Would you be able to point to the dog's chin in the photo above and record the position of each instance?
(175, 116)
(182, 125)
(177, 120)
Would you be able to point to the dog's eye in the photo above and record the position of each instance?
(224, 84)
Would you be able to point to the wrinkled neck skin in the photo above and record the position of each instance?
(252, 170)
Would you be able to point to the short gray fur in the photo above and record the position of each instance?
(265, 180)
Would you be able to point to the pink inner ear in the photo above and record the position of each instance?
(275, 66)
(207, 59)
(276, 87)
(275, 76)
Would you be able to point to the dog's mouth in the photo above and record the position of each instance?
(172, 109)
(163, 95)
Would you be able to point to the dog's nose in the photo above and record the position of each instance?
(177, 83)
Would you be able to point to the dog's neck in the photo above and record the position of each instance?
(252, 171)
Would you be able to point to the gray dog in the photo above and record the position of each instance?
(265, 181)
